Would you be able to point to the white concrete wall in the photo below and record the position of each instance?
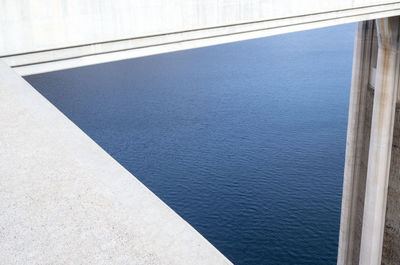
(59, 34)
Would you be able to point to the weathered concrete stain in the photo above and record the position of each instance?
(373, 165)
(391, 243)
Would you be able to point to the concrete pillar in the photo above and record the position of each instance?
(350, 224)
(380, 141)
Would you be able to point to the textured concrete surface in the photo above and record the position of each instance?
(48, 35)
(357, 147)
(358, 159)
(63, 200)
(381, 138)
(391, 243)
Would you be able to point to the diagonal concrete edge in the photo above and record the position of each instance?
(64, 200)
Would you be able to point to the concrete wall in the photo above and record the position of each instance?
(39, 36)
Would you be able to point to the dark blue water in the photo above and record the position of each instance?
(245, 141)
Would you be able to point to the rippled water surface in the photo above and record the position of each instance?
(245, 141)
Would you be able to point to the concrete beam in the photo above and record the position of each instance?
(49, 35)
(64, 200)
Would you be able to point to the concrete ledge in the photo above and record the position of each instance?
(64, 200)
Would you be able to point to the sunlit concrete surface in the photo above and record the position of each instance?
(63, 200)
(48, 35)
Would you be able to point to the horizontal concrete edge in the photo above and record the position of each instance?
(59, 59)
(63, 199)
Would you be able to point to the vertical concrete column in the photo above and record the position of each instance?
(349, 241)
(380, 141)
